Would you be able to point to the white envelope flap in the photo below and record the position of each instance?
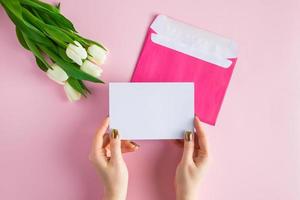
(193, 41)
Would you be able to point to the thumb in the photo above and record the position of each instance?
(188, 148)
(115, 146)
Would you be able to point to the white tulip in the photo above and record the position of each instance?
(57, 74)
(91, 69)
(76, 52)
(97, 54)
(71, 93)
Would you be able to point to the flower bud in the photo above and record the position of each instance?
(57, 74)
(91, 69)
(97, 54)
(71, 93)
(76, 52)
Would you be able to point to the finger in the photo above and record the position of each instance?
(115, 146)
(126, 146)
(201, 154)
(200, 135)
(197, 147)
(106, 141)
(179, 143)
(98, 153)
(188, 148)
(99, 137)
(106, 145)
(129, 146)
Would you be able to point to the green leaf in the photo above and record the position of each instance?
(57, 35)
(58, 6)
(21, 39)
(88, 42)
(82, 85)
(40, 64)
(61, 20)
(36, 14)
(71, 69)
(85, 42)
(77, 86)
(93, 42)
(35, 51)
(47, 19)
(46, 5)
(28, 16)
(51, 31)
(14, 11)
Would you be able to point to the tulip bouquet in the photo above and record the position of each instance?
(64, 55)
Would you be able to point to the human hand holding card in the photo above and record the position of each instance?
(151, 110)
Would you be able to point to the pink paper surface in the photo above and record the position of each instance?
(158, 63)
(254, 148)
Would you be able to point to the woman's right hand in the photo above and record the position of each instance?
(126, 145)
(109, 162)
(190, 169)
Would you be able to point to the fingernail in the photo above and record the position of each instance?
(188, 136)
(115, 133)
(135, 144)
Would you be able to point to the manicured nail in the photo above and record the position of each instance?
(188, 136)
(135, 144)
(115, 133)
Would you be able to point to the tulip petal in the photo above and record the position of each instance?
(97, 54)
(71, 93)
(76, 52)
(91, 69)
(57, 74)
(71, 53)
(80, 50)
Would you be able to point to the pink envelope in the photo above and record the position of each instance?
(177, 52)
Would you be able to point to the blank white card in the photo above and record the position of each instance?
(151, 110)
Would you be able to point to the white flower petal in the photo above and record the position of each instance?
(76, 52)
(71, 93)
(71, 53)
(57, 74)
(80, 50)
(98, 54)
(77, 43)
(92, 69)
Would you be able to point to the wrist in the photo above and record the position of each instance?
(186, 195)
(114, 195)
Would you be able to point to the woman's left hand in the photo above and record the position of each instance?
(194, 159)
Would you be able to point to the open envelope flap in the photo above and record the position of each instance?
(192, 41)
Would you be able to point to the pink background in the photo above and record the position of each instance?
(254, 148)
